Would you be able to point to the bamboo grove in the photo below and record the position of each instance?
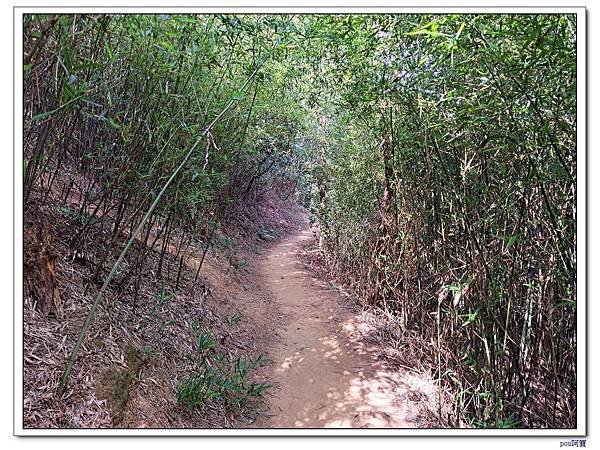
(437, 153)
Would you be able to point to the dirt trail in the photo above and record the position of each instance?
(326, 373)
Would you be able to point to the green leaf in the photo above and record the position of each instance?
(113, 123)
(109, 51)
(238, 96)
(43, 115)
(471, 317)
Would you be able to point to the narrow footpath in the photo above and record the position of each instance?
(326, 374)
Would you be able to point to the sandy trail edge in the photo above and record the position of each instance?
(324, 371)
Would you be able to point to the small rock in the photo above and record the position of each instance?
(264, 235)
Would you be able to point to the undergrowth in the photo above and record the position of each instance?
(220, 375)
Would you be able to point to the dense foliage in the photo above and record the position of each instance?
(437, 153)
(447, 195)
(127, 95)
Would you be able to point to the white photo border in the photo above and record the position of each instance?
(581, 208)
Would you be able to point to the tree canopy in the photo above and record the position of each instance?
(437, 153)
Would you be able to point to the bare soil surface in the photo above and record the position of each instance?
(328, 369)
(333, 363)
(157, 327)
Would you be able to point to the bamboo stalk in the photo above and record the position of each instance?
(100, 295)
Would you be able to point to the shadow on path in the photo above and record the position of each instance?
(325, 372)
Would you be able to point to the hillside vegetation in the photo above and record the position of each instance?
(436, 154)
